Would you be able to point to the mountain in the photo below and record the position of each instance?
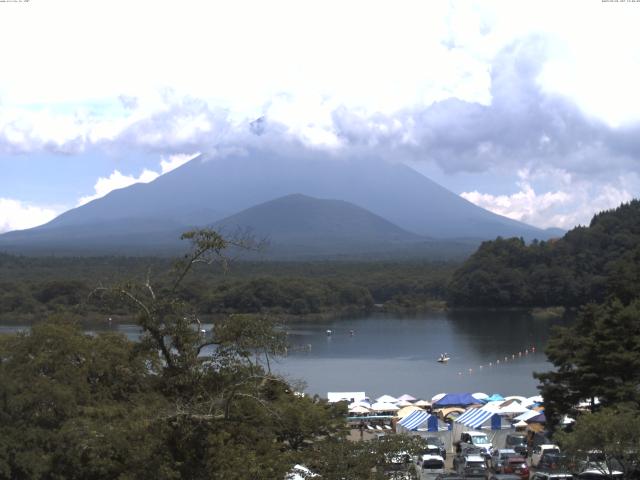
(212, 187)
(306, 220)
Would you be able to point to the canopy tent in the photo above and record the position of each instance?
(422, 403)
(520, 424)
(512, 408)
(403, 403)
(476, 417)
(333, 397)
(403, 412)
(526, 416)
(359, 409)
(384, 407)
(451, 412)
(494, 397)
(480, 396)
(519, 398)
(437, 397)
(540, 418)
(456, 399)
(360, 403)
(387, 399)
(406, 397)
(418, 418)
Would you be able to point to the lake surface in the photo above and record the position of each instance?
(490, 352)
(396, 355)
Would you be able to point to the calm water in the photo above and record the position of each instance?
(396, 355)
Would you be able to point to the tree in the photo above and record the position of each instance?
(598, 356)
(181, 403)
(611, 435)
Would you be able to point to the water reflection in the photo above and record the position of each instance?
(397, 354)
(394, 354)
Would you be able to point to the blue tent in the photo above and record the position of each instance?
(494, 397)
(456, 400)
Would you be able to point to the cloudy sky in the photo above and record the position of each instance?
(530, 109)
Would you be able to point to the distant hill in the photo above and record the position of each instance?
(302, 219)
(210, 188)
(586, 265)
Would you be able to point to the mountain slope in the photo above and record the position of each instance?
(303, 219)
(211, 187)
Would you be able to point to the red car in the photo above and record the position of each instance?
(516, 466)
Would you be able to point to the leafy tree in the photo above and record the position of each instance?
(611, 435)
(597, 356)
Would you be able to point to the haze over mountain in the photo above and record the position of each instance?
(213, 187)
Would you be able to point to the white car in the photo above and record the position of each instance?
(477, 439)
(540, 450)
(430, 466)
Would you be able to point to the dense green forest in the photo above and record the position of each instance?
(587, 265)
(33, 287)
(78, 406)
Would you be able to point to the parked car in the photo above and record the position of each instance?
(499, 456)
(516, 466)
(552, 476)
(478, 439)
(517, 442)
(430, 466)
(539, 450)
(553, 462)
(504, 476)
(439, 443)
(600, 473)
(472, 466)
(467, 450)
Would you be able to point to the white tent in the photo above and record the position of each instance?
(527, 415)
(437, 397)
(512, 408)
(359, 409)
(384, 407)
(407, 397)
(333, 397)
(422, 403)
(387, 399)
(360, 403)
(403, 403)
(480, 396)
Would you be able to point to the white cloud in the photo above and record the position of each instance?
(175, 161)
(574, 204)
(117, 180)
(18, 215)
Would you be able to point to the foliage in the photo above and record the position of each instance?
(33, 288)
(611, 434)
(597, 356)
(179, 404)
(587, 265)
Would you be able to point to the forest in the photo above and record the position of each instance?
(589, 264)
(33, 287)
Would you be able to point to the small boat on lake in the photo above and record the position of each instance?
(443, 358)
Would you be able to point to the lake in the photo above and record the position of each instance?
(397, 354)
(491, 351)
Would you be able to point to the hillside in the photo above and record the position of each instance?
(212, 187)
(586, 265)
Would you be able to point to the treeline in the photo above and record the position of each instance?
(588, 264)
(33, 288)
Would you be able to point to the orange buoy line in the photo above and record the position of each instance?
(514, 356)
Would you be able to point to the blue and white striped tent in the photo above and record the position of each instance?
(418, 418)
(475, 417)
